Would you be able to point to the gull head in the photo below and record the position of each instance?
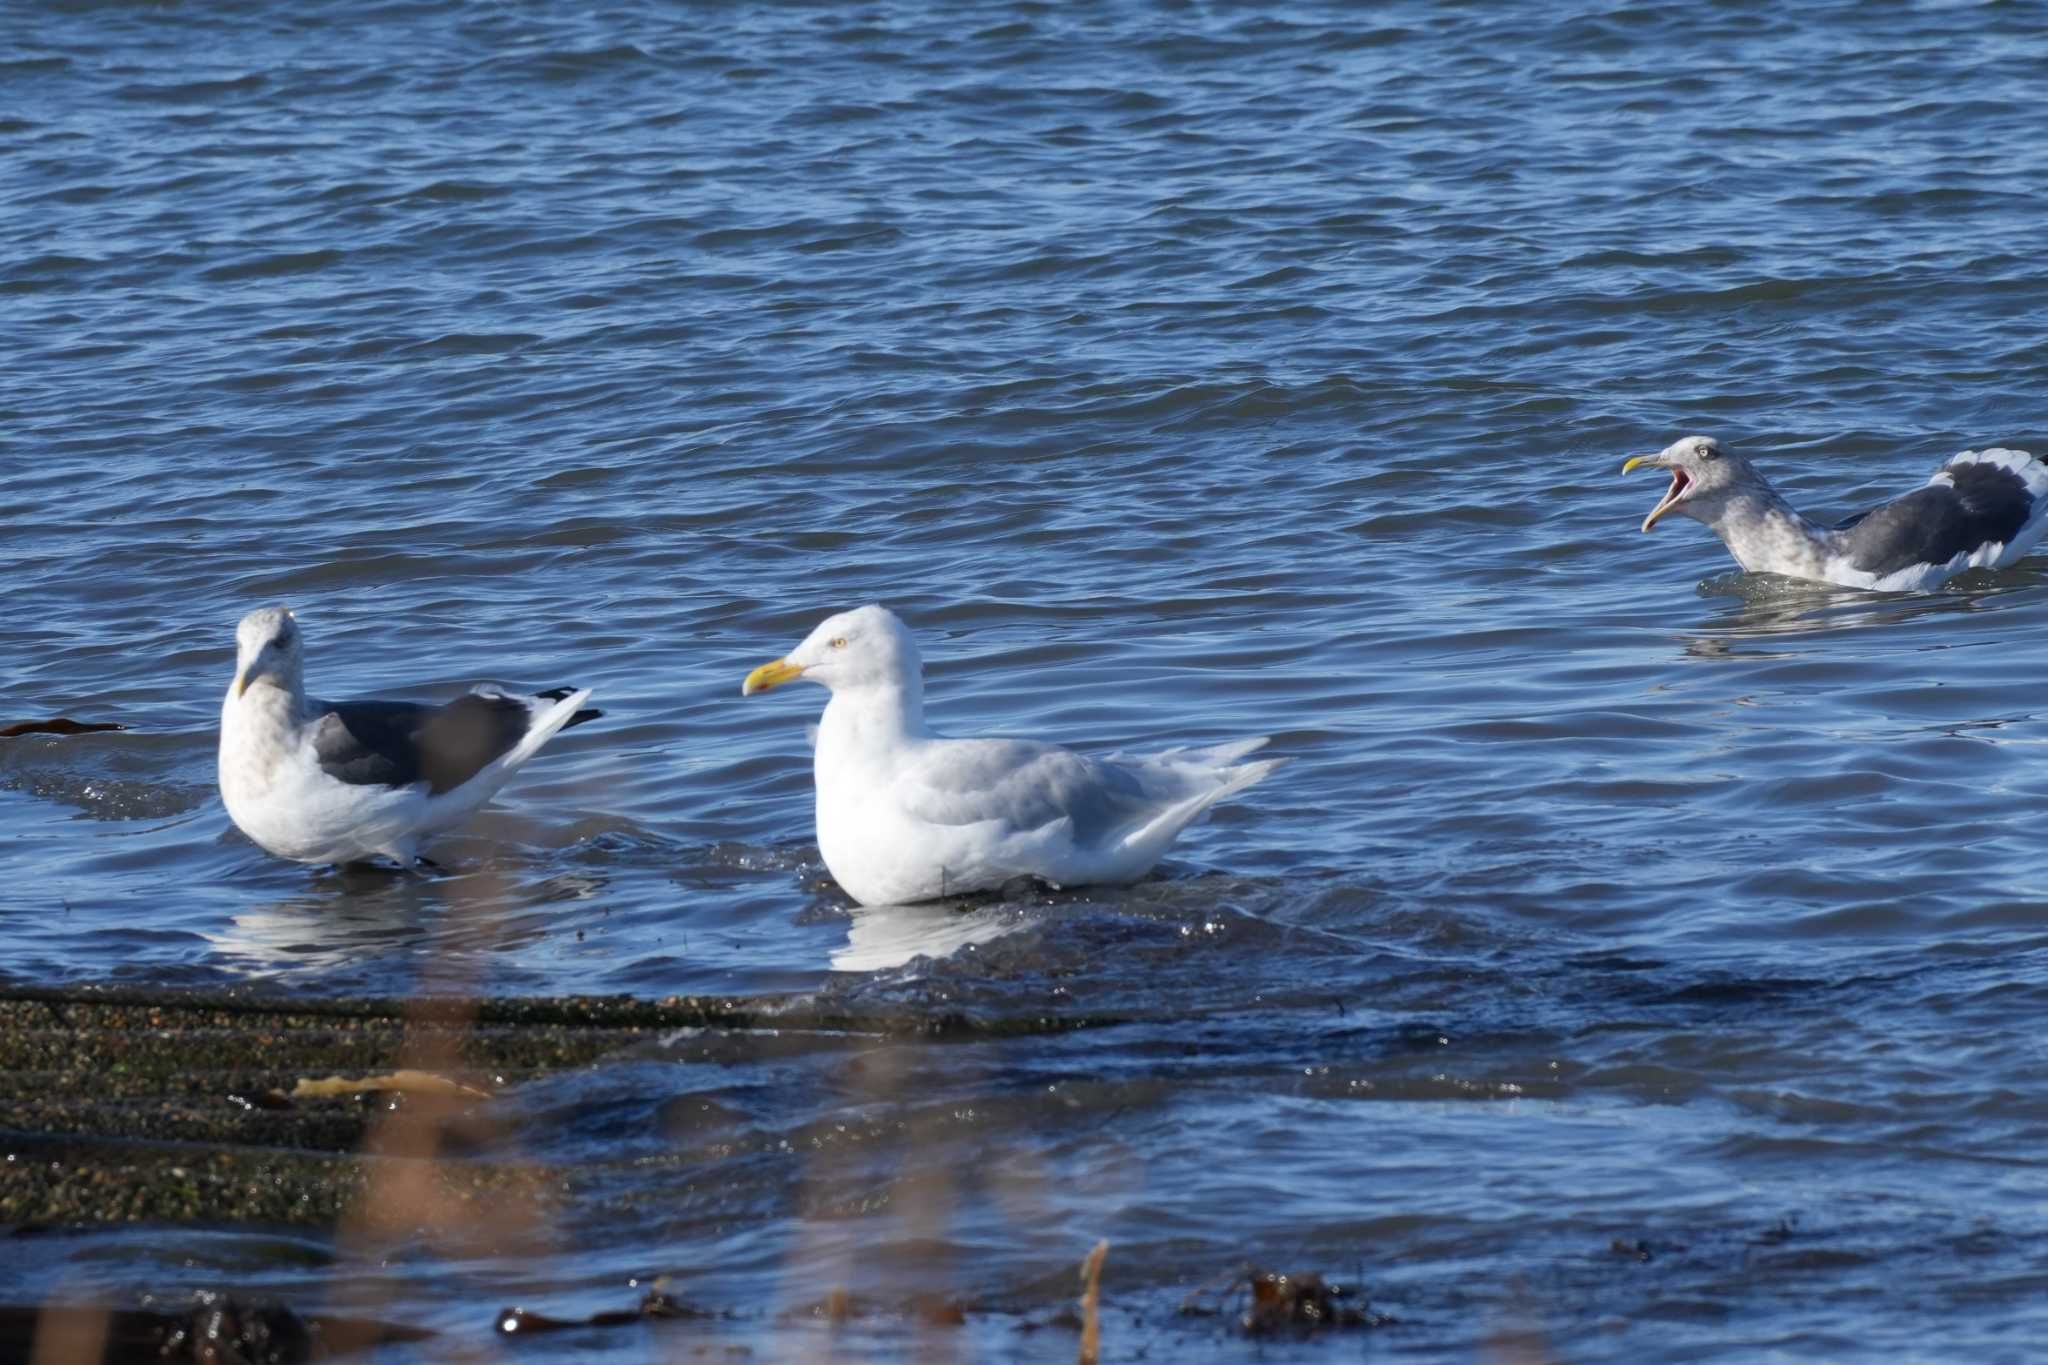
(1702, 477)
(859, 649)
(268, 649)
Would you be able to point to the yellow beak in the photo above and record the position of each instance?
(770, 675)
(1679, 483)
(241, 684)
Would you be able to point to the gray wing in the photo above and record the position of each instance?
(370, 743)
(1023, 784)
(1980, 504)
(399, 743)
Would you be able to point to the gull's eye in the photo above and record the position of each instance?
(839, 642)
(1709, 453)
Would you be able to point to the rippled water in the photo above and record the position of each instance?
(1180, 372)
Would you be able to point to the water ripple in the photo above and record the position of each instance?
(1180, 375)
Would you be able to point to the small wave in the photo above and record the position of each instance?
(266, 267)
(193, 92)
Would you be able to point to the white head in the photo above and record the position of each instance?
(863, 649)
(1704, 477)
(268, 650)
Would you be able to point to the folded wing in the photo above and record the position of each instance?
(1023, 786)
(399, 743)
(1984, 507)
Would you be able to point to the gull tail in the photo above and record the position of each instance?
(1202, 777)
(563, 694)
(552, 711)
(2003, 497)
(546, 714)
(2030, 471)
(1218, 756)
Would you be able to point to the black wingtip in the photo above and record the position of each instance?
(557, 693)
(587, 713)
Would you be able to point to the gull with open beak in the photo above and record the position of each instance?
(906, 815)
(341, 782)
(1982, 509)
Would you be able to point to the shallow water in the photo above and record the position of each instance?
(1179, 372)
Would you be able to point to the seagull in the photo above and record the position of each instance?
(342, 782)
(1983, 509)
(906, 815)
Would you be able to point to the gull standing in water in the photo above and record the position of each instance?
(339, 782)
(1984, 509)
(906, 815)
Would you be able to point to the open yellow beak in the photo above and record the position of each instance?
(770, 675)
(1679, 483)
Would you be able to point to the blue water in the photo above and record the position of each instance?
(1179, 372)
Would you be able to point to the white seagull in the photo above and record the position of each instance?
(340, 782)
(1983, 509)
(906, 815)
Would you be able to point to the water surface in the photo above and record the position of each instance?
(1180, 372)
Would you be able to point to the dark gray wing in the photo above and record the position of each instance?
(370, 743)
(398, 743)
(1025, 785)
(1982, 504)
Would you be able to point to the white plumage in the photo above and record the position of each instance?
(321, 782)
(907, 815)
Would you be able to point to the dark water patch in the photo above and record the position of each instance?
(456, 192)
(43, 272)
(77, 194)
(567, 66)
(193, 92)
(456, 343)
(264, 267)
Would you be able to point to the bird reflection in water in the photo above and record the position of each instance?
(1768, 606)
(885, 936)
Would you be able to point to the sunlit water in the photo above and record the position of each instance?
(1180, 373)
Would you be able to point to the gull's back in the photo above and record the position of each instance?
(397, 743)
(1021, 785)
(1982, 509)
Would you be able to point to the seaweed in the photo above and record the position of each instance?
(655, 1303)
(217, 1329)
(1295, 1305)
(62, 725)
